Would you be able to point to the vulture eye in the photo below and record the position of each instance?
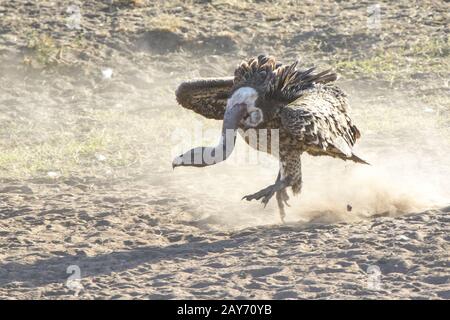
(255, 117)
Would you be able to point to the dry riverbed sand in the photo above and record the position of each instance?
(90, 207)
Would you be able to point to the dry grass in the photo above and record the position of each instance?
(68, 150)
(44, 48)
(235, 4)
(44, 51)
(134, 3)
(139, 3)
(165, 21)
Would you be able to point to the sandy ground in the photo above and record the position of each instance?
(90, 207)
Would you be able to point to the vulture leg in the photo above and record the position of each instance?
(282, 198)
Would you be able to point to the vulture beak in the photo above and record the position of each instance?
(206, 156)
(178, 161)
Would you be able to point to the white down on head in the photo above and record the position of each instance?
(247, 96)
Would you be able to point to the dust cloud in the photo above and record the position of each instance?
(405, 145)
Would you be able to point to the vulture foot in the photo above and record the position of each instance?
(265, 194)
(279, 188)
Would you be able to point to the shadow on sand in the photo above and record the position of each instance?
(53, 270)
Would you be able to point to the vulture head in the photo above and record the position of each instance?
(241, 111)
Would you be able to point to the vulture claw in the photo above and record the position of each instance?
(279, 188)
(266, 194)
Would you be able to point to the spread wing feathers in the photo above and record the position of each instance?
(207, 97)
(283, 82)
(289, 83)
(319, 122)
(257, 72)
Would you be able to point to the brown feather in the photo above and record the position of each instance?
(207, 97)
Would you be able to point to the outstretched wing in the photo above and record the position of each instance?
(282, 82)
(319, 121)
(207, 97)
(289, 83)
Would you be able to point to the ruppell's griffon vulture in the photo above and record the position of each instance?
(308, 109)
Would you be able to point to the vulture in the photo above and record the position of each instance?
(309, 111)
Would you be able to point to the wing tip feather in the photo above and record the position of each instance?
(357, 159)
